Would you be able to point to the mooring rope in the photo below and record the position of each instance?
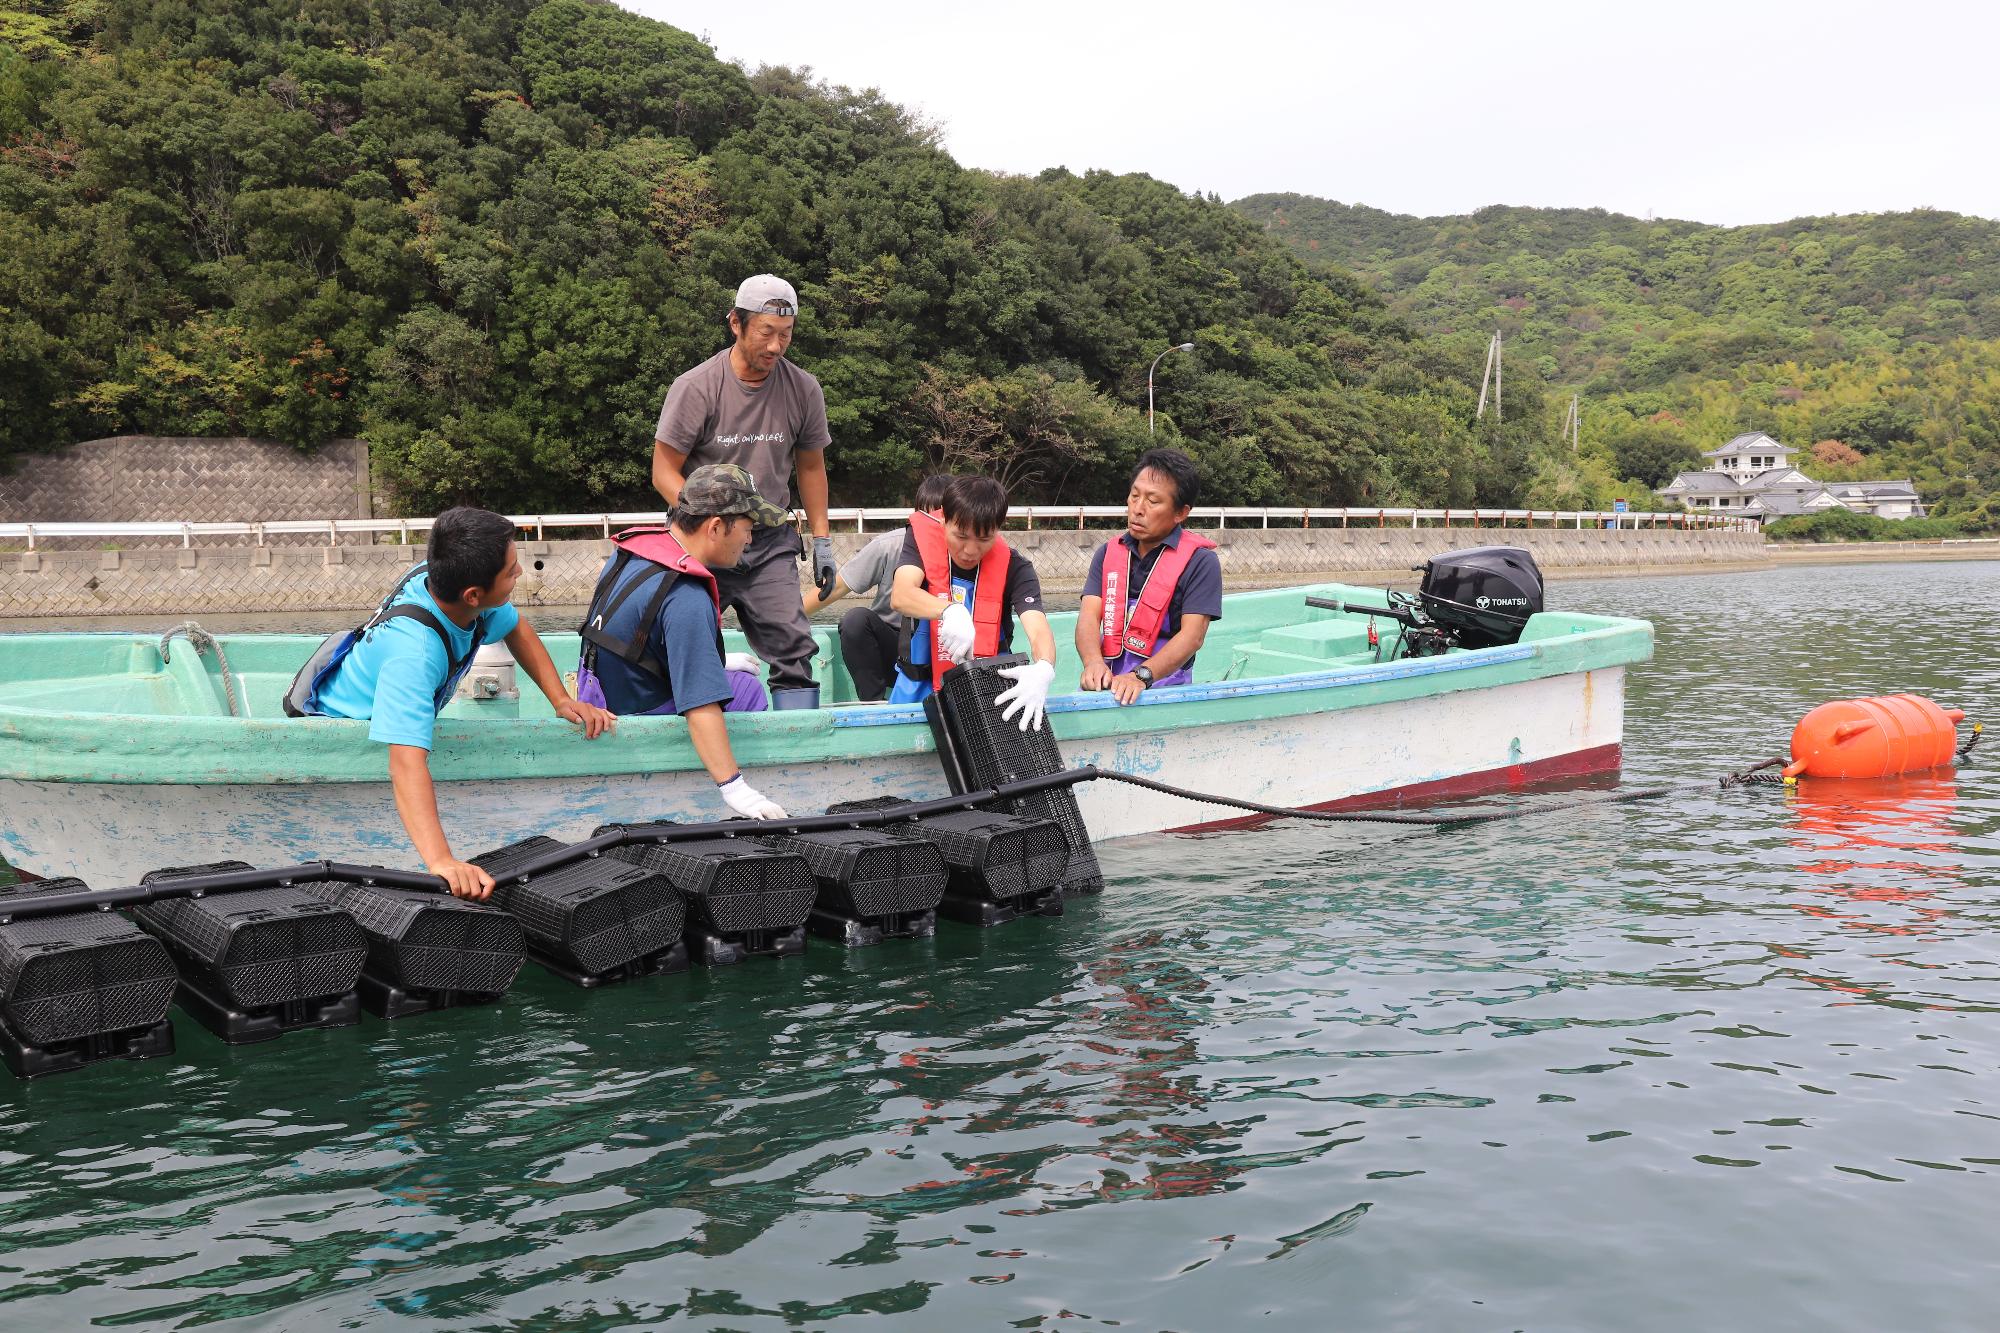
(1441, 820)
(203, 641)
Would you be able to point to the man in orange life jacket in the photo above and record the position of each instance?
(1150, 595)
(959, 590)
(652, 638)
(871, 636)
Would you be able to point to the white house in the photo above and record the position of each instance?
(1753, 475)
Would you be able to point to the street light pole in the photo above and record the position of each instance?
(1178, 347)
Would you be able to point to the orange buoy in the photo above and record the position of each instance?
(1873, 738)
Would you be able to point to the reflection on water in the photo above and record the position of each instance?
(1726, 1059)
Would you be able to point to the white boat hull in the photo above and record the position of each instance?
(110, 834)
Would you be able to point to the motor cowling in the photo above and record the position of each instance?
(1483, 594)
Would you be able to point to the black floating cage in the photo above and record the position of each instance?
(742, 897)
(872, 885)
(593, 921)
(80, 988)
(427, 950)
(257, 963)
(998, 866)
(979, 748)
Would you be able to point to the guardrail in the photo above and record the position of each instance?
(1026, 516)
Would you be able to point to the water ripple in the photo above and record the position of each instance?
(1660, 1065)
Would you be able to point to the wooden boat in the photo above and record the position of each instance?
(117, 759)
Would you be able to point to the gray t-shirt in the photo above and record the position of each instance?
(873, 568)
(713, 417)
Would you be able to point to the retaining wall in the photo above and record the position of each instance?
(192, 479)
(1847, 553)
(216, 580)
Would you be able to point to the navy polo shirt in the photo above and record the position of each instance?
(1199, 593)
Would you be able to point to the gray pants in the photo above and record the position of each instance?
(764, 590)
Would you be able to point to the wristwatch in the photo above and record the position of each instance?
(1145, 675)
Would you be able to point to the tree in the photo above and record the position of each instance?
(1652, 453)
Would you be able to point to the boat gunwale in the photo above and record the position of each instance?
(336, 750)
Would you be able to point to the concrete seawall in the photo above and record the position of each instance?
(54, 585)
(1849, 553)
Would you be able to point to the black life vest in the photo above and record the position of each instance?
(657, 546)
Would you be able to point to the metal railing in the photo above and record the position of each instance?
(1031, 517)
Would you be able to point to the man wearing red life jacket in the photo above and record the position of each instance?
(1150, 595)
(652, 638)
(871, 636)
(959, 589)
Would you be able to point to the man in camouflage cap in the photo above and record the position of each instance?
(724, 490)
(748, 405)
(652, 638)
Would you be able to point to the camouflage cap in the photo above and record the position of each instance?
(726, 490)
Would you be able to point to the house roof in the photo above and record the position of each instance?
(1874, 490)
(1786, 478)
(1749, 441)
(1702, 481)
(1789, 502)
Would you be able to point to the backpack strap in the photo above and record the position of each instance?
(455, 665)
(302, 696)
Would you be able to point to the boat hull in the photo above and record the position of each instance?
(1452, 743)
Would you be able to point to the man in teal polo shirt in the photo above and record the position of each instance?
(401, 670)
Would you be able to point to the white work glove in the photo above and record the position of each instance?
(747, 801)
(742, 662)
(1030, 695)
(955, 633)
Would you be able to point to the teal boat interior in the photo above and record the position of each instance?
(1263, 634)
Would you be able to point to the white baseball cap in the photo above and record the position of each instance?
(767, 294)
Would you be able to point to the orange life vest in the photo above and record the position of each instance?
(989, 590)
(1139, 631)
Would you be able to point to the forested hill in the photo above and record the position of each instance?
(485, 236)
(1881, 331)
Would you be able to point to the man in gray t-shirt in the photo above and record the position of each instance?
(748, 405)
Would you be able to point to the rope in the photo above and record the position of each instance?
(1754, 775)
(202, 641)
(1441, 820)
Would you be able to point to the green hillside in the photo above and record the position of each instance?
(485, 236)
(1880, 332)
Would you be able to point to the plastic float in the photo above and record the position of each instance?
(1879, 737)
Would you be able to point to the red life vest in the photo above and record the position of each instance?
(989, 591)
(657, 545)
(1139, 632)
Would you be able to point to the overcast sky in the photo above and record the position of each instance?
(1731, 113)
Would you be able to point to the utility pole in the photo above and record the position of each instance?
(1572, 427)
(1490, 376)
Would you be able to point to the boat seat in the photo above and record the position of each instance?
(1313, 646)
(1321, 640)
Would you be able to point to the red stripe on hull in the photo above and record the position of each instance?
(1583, 768)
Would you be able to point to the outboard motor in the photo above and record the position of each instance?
(1483, 595)
(1480, 597)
